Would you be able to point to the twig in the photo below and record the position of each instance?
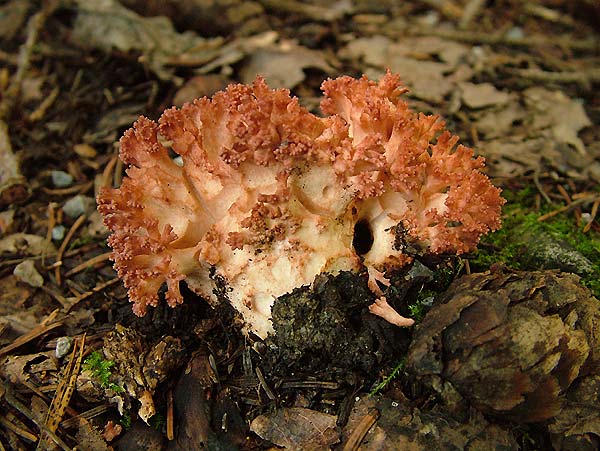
(170, 416)
(572, 205)
(99, 287)
(46, 326)
(34, 26)
(448, 8)
(361, 430)
(88, 415)
(548, 14)
(16, 404)
(591, 44)
(89, 263)
(51, 220)
(12, 183)
(64, 244)
(63, 394)
(17, 430)
(471, 10)
(105, 179)
(314, 12)
(40, 111)
(56, 296)
(538, 185)
(80, 189)
(264, 385)
(583, 77)
(564, 194)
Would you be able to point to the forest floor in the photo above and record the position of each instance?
(518, 81)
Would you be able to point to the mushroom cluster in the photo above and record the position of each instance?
(263, 195)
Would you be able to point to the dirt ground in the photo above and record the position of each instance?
(518, 81)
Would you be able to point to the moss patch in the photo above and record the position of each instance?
(520, 219)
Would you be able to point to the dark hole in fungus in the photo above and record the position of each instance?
(363, 237)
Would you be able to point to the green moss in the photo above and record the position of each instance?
(519, 216)
(101, 370)
(441, 279)
(417, 311)
(157, 421)
(126, 420)
(81, 241)
(384, 383)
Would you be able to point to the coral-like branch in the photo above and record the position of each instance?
(270, 195)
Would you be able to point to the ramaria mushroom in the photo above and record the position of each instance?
(269, 195)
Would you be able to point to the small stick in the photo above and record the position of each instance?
(590, 44)
(62, 395)
(264, 385)
(89, 263)
(361, 430)
(64, 244)
(564, 194)
(583, 77)
(96, 289)
(16, 404)
(17, 430)
(80, 189)
(572, 205)
(37, 331)
(170, 421)
(471, 10)
(40, 111)
(538, 185)
(106, 174)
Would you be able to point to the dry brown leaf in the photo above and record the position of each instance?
(482, 95)
(12, 183)
(416, 60)
(12, 17)
(89, 438)
(22, 367)
(107, 25)
(495, 123)
(200, 86)
(297, 429)
(554, 111)
(24, 243)
(400, 427)
(283, 65)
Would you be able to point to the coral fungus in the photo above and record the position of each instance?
(269, 195)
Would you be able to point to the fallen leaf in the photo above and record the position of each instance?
(400, 427)
(200, 86)
(89, 438)
(12, 16)
(283, 65)
(6, 221)
(21, 368)
(555, 111)
(416, 61)
(482, 95)
(497, 122)
(26, 244)
(107, 25)
(13, 187)
(297, 429)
